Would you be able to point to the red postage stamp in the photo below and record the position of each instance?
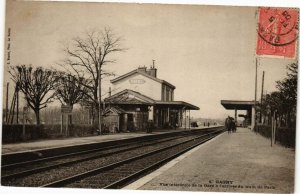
(277, 32)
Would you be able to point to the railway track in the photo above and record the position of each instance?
(118, 174)
(51, 173)
(10, 161)
(36, 166)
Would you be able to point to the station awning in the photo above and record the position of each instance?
(237, 104)
(130, 97)
(177, 104)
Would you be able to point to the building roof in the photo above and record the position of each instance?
(237, 104)
(129, 97)
(132, 97)
(137, 71)
(178, 104)
(115, 109)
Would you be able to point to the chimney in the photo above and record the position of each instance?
(153, 70)
(142, 69)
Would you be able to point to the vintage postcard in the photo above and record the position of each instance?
(159, 97)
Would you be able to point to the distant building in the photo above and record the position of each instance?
(143, 100)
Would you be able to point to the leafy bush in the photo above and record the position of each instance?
(284, 135)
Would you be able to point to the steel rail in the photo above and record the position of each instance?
(159, 136)
(13, 165)
(46, 159)
(40, 169)
(89, 173)
(120, 183)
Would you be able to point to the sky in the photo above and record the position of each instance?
(207, 52)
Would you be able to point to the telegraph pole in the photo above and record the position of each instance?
(17, 90)
(255, 105)
(254, 115)
(6, 111)
(262, 92)
(99, 85)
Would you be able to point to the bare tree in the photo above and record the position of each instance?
(70, 90)
(87, 56)
(36, 85)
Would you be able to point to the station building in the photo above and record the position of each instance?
(139, 99)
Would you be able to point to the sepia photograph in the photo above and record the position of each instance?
(149, 97)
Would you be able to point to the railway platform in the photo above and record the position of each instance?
(58, 143)
(237, 162)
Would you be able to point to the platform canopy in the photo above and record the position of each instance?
(177, 104)
(237, 104)
(130, 97)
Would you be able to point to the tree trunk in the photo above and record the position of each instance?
(71, 128)
(96, 123)
(96, 115)
(279, 120)
(288, 119)
(70, 119)
(37, 116)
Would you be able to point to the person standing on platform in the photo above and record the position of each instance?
(228, 124)
(233, 126)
